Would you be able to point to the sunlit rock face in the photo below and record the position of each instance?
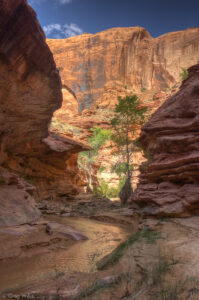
(169, 184)
(87, 63)
(96, 69)
(30, 91)
(117, 62)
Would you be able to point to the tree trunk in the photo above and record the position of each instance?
(127, 154)
(89, 186)
(126, 191)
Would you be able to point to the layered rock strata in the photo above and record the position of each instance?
(90, 63)
(169, 182)
(53, 170)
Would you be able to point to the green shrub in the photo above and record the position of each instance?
(64, 127)
(101, 169)
(184, 74)
(111, 192)
(117, 253)
(104, 190)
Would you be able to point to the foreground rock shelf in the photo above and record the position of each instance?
(160, 260)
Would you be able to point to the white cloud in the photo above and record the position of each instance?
(48, 29)
(72, 30)
(62, 31)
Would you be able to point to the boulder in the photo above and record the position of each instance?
(67, 231)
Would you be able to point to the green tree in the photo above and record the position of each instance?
(87, 158)
(184, 74)
(129, 115)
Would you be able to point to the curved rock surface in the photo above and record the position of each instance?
(30, 91)
(17, 205)
(169, 182)
(51, 166)
(29, 81)
(87, 63)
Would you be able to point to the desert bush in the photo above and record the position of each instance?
(113, 257)
(109, 192)
(184, 74)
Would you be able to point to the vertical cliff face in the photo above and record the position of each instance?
(169, 182)
(87, 63)
(29, 82)
(31, 161)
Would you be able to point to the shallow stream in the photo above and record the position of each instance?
(79, 257)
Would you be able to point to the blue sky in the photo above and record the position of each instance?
(65, 18)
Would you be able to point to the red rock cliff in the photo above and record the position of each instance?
(169, 183)
(88, 62)
(29, 81)
(30, 91)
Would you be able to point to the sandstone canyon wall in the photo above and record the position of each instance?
(169, 182)
(30, 91)
(89, 64)
(96, 69)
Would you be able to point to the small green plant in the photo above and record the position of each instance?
(87, 158)
(169, 292)
(120, 168)
(184, 74)
(159, 269)
(111, 192)
(97, 286)
(105, 191)
(113, 258)
(64, 127)
(150, 236)
(102, 169)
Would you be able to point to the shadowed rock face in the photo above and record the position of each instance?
(17, 206)
(29, 94)
(131, 56)
(169, 185)
(51, 166)
(30, 91)
(29, 82)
